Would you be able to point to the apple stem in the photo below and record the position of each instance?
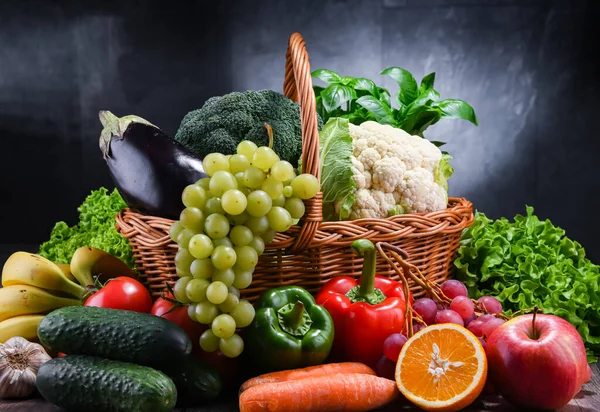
(535, 311)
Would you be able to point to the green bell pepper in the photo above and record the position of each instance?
(289, 330)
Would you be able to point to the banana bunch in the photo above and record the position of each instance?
(33, 286)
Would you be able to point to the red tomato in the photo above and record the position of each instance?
(123, 293)
(180, 317)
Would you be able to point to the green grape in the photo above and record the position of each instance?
(196, 290)
(257, 243)
(224, 241)
(221, 182)
(201, 246)
(258, 225)
(213, 205)
(215, 162)
(208, 341)
(238, 163)
(206, 312)
(182, 273)
(229, 303)
(279, 201)
(216, 226)
(203, 183)
(238, 219)
(253, 177)
(243, 313)
(295, 221)
(191, 309)
(202, 268)
(194, 196)
(264, 158)
(247, 257)
(234, 202)
(223, 257)
(226, 276)
(246, 148)
(232, 347)
(243, 278)
(305, 186)
(241, 235)
(216, 292)
(175, 229)
(288, 191)
(279, 219)
(192, 218)
(273, 187)
(233, 290)
(283, 171)
(295, 206)
(183, 261)
(239, 177)
(259, 203)
(223, 326)
(268, 236)
(179, 289)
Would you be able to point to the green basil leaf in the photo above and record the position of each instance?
(367, 85)
(438, 144)
(418, 121)
(348, 81)
(407, 83)
(427, 83)
(385, 96)
(336, 95)
(457, 109)
(382, 112)
(318, 90)
(328, 76)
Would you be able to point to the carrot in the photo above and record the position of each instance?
(340, 392)
(311, 371)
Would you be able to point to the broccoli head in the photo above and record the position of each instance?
(224, 121)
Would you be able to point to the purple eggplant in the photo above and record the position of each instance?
(149, 169)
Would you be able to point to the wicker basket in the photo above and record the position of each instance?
(315, 251)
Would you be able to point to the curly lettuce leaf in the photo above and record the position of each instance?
(337, 182)
(96, 228)
(531, 262)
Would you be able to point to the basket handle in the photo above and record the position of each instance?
(297, 86)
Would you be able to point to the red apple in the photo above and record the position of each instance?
(537, 361)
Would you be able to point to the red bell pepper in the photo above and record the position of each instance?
(364, 313)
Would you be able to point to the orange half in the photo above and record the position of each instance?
(442, 368)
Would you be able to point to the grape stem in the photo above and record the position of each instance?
(270, 134)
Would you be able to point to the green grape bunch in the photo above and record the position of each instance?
(228, 219)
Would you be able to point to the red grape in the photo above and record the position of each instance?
(385, 368)
(417, 327)
(483, 342)
(392, 345)
(463, 306)
(476, 327)
(485, 318)
(470, 319)
(491, 325)
(489, 387)
(491, 304)
(448, 316)
(426, 308)
(453, 288)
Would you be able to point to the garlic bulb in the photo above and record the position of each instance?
(19, 364)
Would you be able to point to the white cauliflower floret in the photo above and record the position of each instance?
(392, 168)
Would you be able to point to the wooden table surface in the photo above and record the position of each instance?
(588, 400)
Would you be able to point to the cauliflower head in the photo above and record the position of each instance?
(387, 171)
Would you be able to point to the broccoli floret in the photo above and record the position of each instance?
(224, 121)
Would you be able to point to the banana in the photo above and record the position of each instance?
(66, 270)
(24, 326)
(24, 268)
(20, 300)
(88, 262)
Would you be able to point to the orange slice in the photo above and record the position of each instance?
(442, 368)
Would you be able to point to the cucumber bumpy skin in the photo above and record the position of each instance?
(80, 383)
(121, 335)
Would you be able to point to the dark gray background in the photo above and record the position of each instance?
(529, 68)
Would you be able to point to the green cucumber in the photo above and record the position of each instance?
(121, 335)
(196, 382)
(79, 383)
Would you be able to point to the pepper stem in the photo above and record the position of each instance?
(295, 317)
(365, 248)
